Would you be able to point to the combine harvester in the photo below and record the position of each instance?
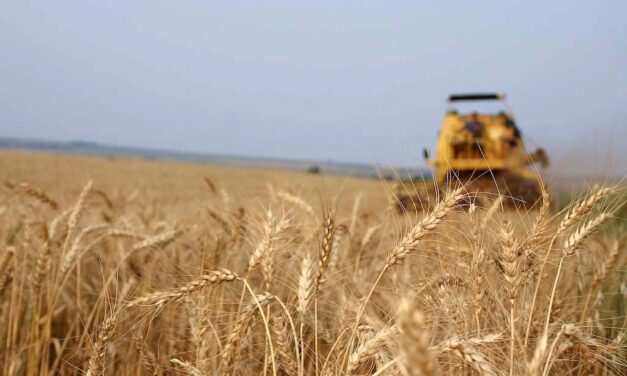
(485, 152)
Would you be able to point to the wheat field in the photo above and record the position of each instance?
(129, 267)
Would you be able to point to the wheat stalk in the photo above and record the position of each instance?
(535, 366)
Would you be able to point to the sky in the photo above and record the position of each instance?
(352, 81)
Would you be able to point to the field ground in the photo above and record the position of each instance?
(180, 183)
(164, 268)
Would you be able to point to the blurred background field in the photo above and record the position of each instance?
(181, 186)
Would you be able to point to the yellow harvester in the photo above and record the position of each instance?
(483, 151)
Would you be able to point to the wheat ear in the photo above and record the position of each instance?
(417, 358)
(541, 221)
(231, 346)
(271, 230)
(424, 227)
(569, 247)
(478, 258)
(159, 240)
(284, 351)
(324, 256)
(511, 272)
(41, 270)
(411, 240)
(160, 299)
(574, 241)
(39, 195)
(576, 212)
(489, 214)
(148, 357)
(600, 275)
(97, 358)
(72, 255)
(77, 210)
(583, 207)
(470, 355)
(298, 202)
(368, 349)
(210, 185)
(187, 367)
(305, 285)
(5, 261)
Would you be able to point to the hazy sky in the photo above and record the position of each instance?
(333, 80)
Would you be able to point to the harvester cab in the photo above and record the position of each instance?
(483, 151)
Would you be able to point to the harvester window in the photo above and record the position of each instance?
(474, 126)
